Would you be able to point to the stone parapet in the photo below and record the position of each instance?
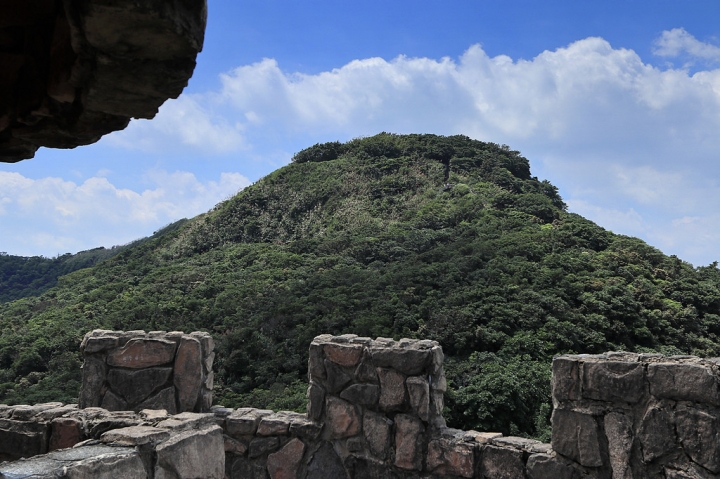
(638, 415)
(135, 370)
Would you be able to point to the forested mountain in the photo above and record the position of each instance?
(398, 236)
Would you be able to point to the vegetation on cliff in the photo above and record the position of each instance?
(398, 236)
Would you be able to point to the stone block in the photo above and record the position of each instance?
(361, 394)
(244, 421)
(341, 418)
(304, 427)
(273, 426)
(233, 446)
(141, 353)
(365, 372)
(136, 385)
(316, 403)
(23, 439)
(392, 389)
(336, 379)
(192, 454)
(325, 464)
(418, 390)
(618, 430)
(410, 362)
(576, 436)
(565, 379)
(613, 381)
(135, 436)
(164, 399)
(502, 463)
(244, 468)
(284, 464)
(547, 466)
(50, 414)
(65, 432)
(656, 433)
(699, 434)
(376, 428)
(347, 355)
(448, 457)
(188, 373)
(263, 445)
(98, 344)
(409, 438)
(93, 379)
(316, 365)
(113, 402)
(683, 382)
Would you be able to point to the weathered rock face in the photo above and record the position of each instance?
(136, 370)
(73, 71)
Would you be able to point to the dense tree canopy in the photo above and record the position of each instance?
(399, 236)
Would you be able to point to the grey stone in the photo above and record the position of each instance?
(316, 403)
(113, 402)
(546, 466)
(451, 457)
(699, 434)
(392, 389)
(613, 381)
(656, 434)
(325, 464)
(262, 445)
(192, 454)
(316, 366)
(140, 353)
(93, 379)
(618, 430)
(365, 372)
(408, 361)
(23, 439)
(376, 428)
(364, 468)
(164, 399)
(99, 344)
(274, 425)
(341, 418)
(135, 436)
(188, 373)
(565, 379)
(336, 377)
(136, 385)
(683, 382)
(409, 439)
(418, 390)
(361, 394)
(502, 463)
(244, 468)
(576, 436)
(305, 428)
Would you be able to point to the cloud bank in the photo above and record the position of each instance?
(96, 212)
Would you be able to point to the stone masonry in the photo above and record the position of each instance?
(375, 412)
(135, 370)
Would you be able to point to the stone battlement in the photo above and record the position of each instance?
(375, 412)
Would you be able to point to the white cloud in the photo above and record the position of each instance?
(96, 212)
(676, 42)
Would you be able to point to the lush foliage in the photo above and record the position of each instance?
(417, 236)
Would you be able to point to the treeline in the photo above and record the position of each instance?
(402, 236)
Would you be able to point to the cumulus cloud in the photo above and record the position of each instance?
(611, 130)
(96, 212)
(676, 42)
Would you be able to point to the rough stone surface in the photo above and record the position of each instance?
(613, 381)
(408, 442)
(392, 389)
(576, 436)
(75, 71)
(546, 466)
(699, 434)
(343, 354)
(376, 428)
(137, 385)
(445, 457)
(284, 463)
(408, 361)
(565, 379)
(143, 353)
(363, 394)
(341, 418)
(656, 434)
(618, 429)
(66, 432)
(113, 402)
(419, 392)
(93, 377)
(273, 426)
(502, 463)
(325, 464)
(685, 382)
(135, 435)
(188, 373)
(336, 377)
(262, 445)
(192, 454)
(165, 399)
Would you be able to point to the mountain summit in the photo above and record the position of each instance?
(423, 236)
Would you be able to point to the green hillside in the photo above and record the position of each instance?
(399, 236)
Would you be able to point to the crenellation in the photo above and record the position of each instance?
(375, 410)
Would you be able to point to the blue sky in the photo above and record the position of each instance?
(615, 102)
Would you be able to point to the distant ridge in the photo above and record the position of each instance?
(423, 236)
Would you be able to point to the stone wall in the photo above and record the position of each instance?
(135, 370)
(375, 412)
